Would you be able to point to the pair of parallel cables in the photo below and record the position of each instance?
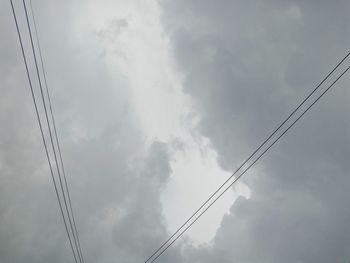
(271, 140)
(61, 189)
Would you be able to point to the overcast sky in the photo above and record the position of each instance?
(157, 102)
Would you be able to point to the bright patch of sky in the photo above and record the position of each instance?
(136, 46)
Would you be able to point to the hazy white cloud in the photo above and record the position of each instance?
(136, 46)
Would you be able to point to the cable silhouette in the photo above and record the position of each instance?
(50, 131)
(41, 130)
(55, 129)
(256, 160)
(250, 157)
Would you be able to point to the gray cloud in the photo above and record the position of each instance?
(246, 64)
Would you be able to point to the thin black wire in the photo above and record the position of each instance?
(49, 128)
(251, 156)
(54, 127)
(41, 130)
(256, 160)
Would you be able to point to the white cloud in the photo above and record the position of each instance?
(138, 47)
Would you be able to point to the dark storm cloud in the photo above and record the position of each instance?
(246, 65)
(115, 180)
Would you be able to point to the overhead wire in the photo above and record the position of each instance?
(50, 132)
(55, 130)
(256, 160)
(42, 131)
(251, 156)
(245, 162)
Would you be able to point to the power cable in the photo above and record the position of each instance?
(41, 129)
(50, 131)
(54, 128)
(247, 161)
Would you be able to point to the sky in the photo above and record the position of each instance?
(157, 102)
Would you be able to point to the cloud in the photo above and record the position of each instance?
(115, 177)
(246, 65)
